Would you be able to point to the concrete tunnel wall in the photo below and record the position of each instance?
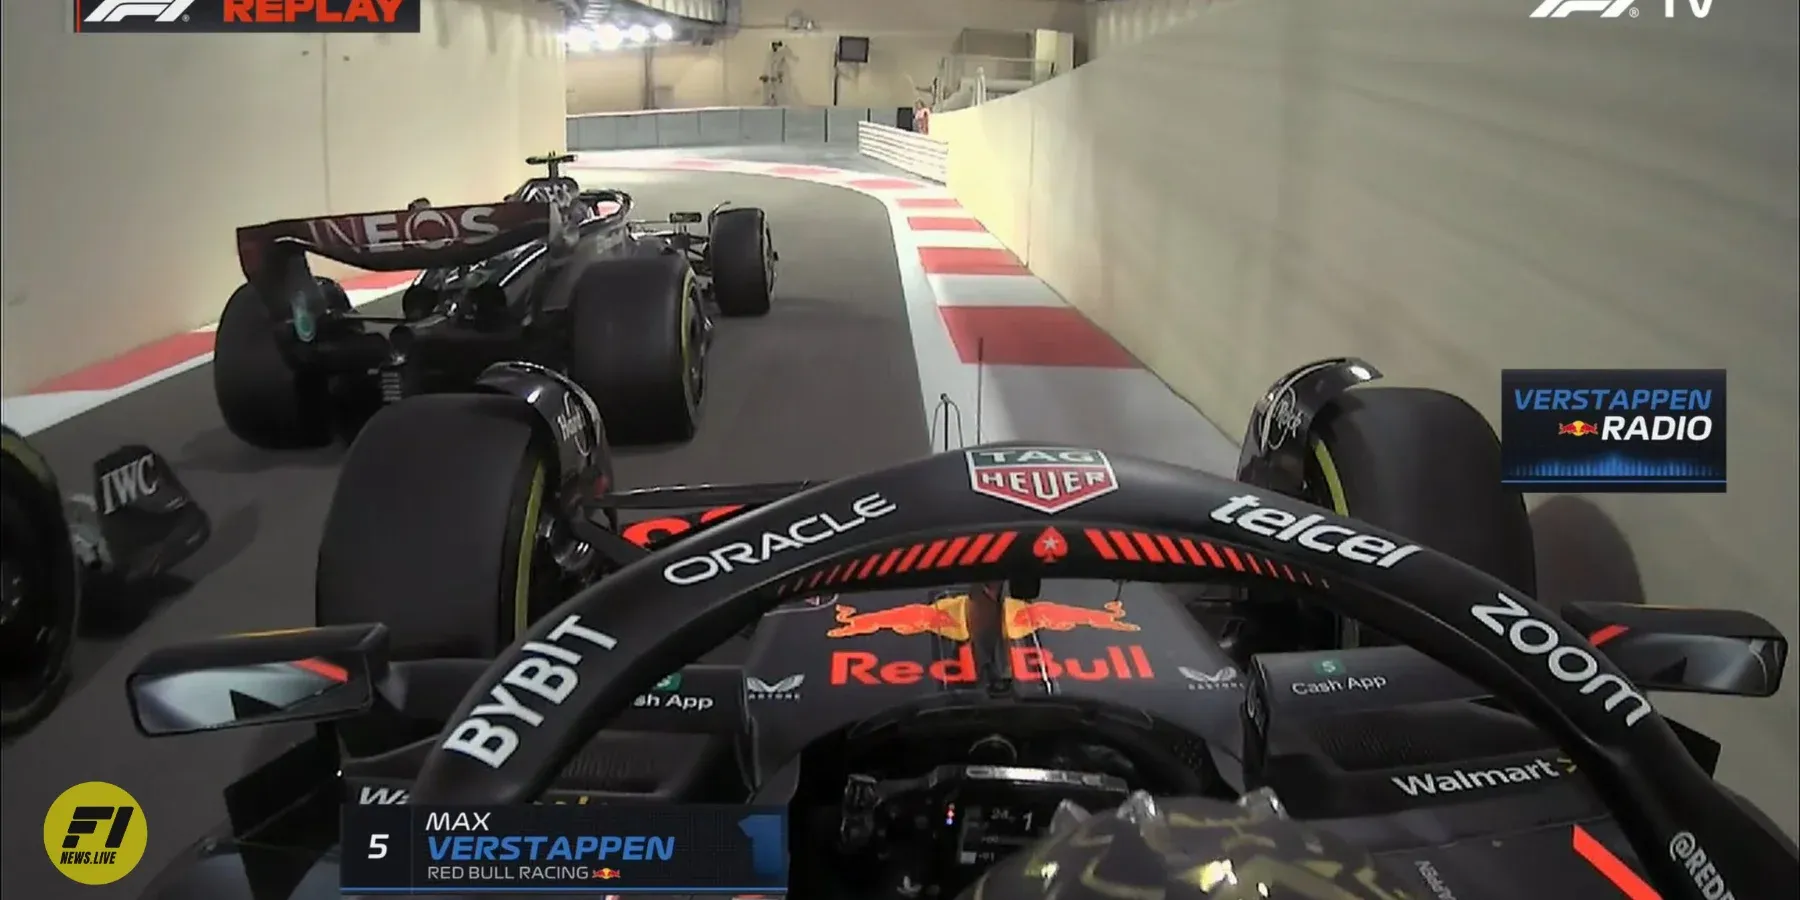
(1448, 189)
(131, 159)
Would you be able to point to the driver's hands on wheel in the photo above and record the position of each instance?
(1186, 847)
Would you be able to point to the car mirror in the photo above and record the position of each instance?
(299, 675)
(1687, 650)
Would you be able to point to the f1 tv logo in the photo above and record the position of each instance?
(291, 16)
(1612, 9)
(157, 10)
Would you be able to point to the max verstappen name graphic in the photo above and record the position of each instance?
(1047, 479)
(1312, 532)
(804, 532)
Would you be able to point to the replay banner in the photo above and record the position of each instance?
(1613, 430)
(624, 849)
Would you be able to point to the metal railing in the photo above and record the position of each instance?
(908, 151)
(970, 79)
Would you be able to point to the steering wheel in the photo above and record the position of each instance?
(579, 666)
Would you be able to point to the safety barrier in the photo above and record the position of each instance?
(718, 127)
(910, 151)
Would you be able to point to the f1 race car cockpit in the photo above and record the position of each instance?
(1030, 766)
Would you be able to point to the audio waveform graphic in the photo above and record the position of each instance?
(1617, 466)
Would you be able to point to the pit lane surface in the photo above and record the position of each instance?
(825, 386)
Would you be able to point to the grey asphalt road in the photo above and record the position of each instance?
(823, 387)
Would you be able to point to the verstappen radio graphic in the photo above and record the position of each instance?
(947, 617)
(1613, 430)
(291, 16)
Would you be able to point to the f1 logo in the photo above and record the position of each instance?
(87, 819)
(120, 10)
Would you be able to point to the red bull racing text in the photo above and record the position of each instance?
(948, 618)
(1115, 663)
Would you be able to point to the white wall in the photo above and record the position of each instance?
(1449, 188)
(1115, 24)
(907, 41)
(130, 159)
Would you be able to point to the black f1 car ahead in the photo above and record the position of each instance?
(63, 552)
(552, 275)
(994, 630)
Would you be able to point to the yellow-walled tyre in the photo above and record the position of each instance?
(433, 529)
(1426, 464)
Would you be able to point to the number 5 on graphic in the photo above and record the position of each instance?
(377, 849)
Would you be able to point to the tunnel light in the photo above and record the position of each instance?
(609, 37)
(637, 34)
(664, 31)
(578, 40)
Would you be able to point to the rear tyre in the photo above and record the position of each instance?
(1425, 464)
(637, 346)
(742, 259)
(433, 527)
(263, 399)
(40, 589)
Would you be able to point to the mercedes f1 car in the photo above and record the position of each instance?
(84, 553)
(944, 653)
(554, 275)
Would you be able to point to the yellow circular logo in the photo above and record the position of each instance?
(95, 833)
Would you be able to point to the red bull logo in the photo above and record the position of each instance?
(1028, 664)
(1023, 618)
(946, 617)
(607, 874)
(1578, 428)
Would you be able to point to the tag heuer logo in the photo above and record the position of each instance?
(1047, 479)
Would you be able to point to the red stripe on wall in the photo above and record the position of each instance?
(134, 364)
(970, 261)
(928, 203)
(943, 223)
(885, 184)
(1032, 336)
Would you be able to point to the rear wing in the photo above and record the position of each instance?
(419, 237)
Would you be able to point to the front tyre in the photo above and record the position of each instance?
(433, 527)
(40, 589)
(638, 347)
(742, 257)
(1424, 464)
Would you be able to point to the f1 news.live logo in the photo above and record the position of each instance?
(291, 16)
(87, 820)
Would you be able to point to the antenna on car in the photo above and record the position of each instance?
(980, 372)
(946, 410)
